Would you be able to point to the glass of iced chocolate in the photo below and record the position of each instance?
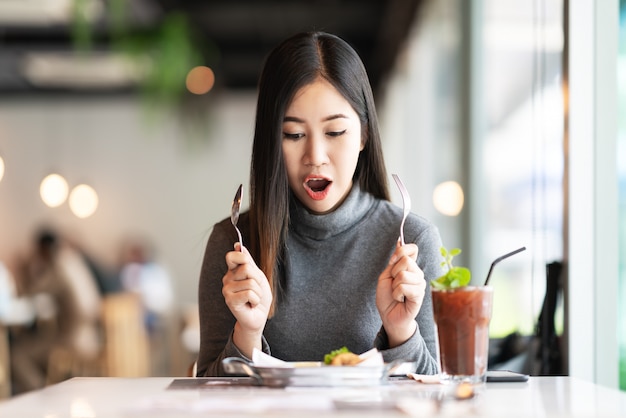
(462, 316)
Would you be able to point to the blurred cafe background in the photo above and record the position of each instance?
(126, 127)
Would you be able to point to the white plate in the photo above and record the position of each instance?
(309, 374)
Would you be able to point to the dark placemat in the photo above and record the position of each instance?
(210, 382)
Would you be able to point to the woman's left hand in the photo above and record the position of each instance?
(399, 294)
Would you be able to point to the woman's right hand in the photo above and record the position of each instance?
(248, 295)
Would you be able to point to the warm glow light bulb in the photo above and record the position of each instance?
(200, 80)
(448, 198)
(1, 168)
(53, 190)
(83, 201)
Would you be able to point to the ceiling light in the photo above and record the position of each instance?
(39, 12)
(1, 168)
(83, 201)
(93, 70)
(200, 80)
(53, 190)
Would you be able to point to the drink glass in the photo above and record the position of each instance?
(462, 316)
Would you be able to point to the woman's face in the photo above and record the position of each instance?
(321, 146)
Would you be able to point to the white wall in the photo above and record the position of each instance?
(152, 179)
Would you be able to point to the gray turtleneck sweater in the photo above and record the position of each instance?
(329, 286)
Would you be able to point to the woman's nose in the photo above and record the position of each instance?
(316, 152)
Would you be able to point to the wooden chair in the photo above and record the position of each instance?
(125, 352)
(126, 343)
(64, 364)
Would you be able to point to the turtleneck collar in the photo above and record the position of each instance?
(320, 227)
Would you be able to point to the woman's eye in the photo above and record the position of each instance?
(287, 135)
(336, 133)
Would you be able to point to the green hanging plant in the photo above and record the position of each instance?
(164, 53)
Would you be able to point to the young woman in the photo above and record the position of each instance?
(322, 266)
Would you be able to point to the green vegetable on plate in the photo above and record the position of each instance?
(328, 358)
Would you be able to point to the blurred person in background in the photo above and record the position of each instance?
(67, 305)
(107, 277)
(14, 310)
(142, 275)
(7, 292)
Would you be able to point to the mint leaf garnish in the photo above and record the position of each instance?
(456, 276)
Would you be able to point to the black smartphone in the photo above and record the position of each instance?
(506, 376)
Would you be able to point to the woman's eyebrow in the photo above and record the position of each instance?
(335, 116)
(293, 119)
(326, 119)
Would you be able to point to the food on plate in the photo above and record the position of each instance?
(342, 357)
(345, 359)
(328, 358)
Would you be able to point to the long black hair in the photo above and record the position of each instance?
(296, 62)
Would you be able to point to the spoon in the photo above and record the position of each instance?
(406, 204)
(234, 214)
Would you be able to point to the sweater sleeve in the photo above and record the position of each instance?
(421, 348)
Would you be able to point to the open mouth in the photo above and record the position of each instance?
(317, 187)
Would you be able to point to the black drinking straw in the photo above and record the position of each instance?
(497, 260)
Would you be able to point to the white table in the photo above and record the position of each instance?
(150, 397)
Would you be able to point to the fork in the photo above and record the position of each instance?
(234, 214)
(406, 204)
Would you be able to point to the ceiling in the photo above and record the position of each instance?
(232, 36)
